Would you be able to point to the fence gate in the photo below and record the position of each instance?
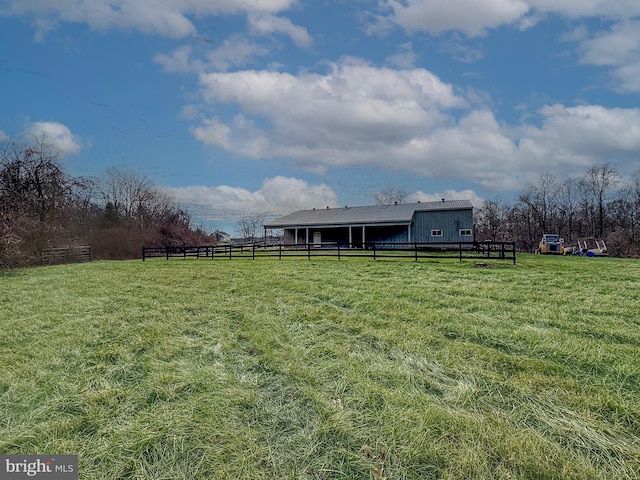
(58, 256)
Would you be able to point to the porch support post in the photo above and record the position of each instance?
(350, 237)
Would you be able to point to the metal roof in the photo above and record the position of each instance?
(401, 213)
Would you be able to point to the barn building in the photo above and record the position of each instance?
(422, 222)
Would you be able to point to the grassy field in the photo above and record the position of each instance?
(323, 369)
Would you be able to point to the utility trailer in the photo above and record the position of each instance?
(591, 247)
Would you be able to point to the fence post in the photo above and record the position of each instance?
(253, 252)
(230, 249)
(374, 252)
(415, 247)
(460, 247)
(308, 251)
(143, 252)
(338, 252)
(280, 252)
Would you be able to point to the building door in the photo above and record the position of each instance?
(317, 238)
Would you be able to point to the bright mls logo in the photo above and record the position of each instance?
(50, 467)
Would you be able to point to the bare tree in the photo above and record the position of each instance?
(32, 181)
(625, 210)
(633, 189)
(41, 205)
(598, 185)
(37, 200)
(132, 198)
(249, 228)
(390, 196)
(541, 200)
(568, 202)
(491, 221)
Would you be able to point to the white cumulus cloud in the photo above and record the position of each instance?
(56, 134)
(612, 9)
(348, 116)
(619, 49)
(407, 121)
(277, 196)
(577, 137)
(468, 16)
(235, 51)
(357, 114)
(169, 18)
(265, 24)
(474, 18)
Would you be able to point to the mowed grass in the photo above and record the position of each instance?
(269, 369)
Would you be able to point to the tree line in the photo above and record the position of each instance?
(42, 206)
(598, 204)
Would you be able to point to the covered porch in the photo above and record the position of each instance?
(349, 236)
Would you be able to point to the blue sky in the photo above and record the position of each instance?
(243, 107)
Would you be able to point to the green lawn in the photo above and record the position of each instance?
(241, 369)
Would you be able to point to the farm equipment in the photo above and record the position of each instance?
(551, 244)
(591, 247)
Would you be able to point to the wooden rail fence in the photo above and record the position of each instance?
(57, 256)
(415, 251)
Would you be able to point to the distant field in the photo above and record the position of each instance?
(264, 369)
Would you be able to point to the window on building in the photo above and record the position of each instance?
(436, 233)
(465, 232)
